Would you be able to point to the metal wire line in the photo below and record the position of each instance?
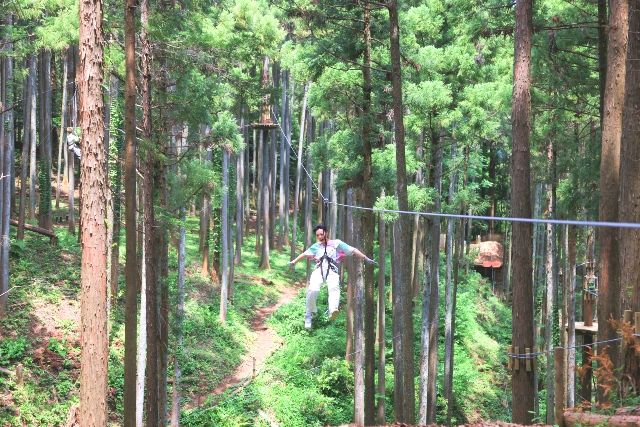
(533, 355)
(602, 224)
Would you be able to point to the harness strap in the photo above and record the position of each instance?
(330, 262)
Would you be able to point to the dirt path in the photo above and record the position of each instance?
(266, 342)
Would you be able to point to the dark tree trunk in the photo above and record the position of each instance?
(522, 312)
(357, 281)
(6, 171)
(382, 246)
(266, 199)
(63, 120)
(224, 288)
(609, 280)
(300, 160)
(27, 141)
(93, 302)
(44, 215)
(404, 399)
(131, 266)
(630, 186)
(602, 53)
(368, 226)
(150, 259)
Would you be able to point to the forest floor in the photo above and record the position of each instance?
(266, 342)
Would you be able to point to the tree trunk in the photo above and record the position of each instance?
(449, 297)
(33, 170)
(296, 197)
(602, 54)
(404, 399)
(44, 213)
(429, 372)
(151, 285)
(550, 294)
(630, 187)
(266, 199)
(6, 172)
(609, 281)
(351, 286)
(131, 266)
(259, 191)
(571, 316)
(381, 390)
(142, 342)
(177, 373)
(522, 309)
(94, 343)
(308, 210)
(224, 288)
(63, 120)
(27, 142)
(240, 198)
(358, 329)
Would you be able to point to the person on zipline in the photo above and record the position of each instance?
(327, 255)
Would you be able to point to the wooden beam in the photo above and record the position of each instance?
(49, 233)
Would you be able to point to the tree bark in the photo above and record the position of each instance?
(151, 285)
(300, 160)
(7, 169)
(522, 312)
(131, 266)
(404, 399)
(33, 170)
(224, 288)
(44, 212)
(63, 120)
(609, 280)
(358, 329)
(630, 187)
(266, 199)
(27, 142)
(381, 390)
(550, 294)
(177, 372)
(93, 302)
(571, 316)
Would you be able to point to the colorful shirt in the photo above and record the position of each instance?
(335, 249)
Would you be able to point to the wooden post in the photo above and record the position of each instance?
(510, 359)
(527, 350)
(585, 380)
(560, 398)
(516, 360)
(19, 374)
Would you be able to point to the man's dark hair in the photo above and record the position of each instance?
(320, 227)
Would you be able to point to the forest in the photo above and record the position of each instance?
(165, 164)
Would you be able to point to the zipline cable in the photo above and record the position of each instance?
(602, 224)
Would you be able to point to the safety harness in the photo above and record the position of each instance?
(332, 266)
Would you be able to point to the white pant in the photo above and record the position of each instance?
(316, 280)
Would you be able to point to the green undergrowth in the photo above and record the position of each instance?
(40, 332)
(308, 382)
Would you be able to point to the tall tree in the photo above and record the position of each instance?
(300, 164)
(45, 215)
(131, 266)
(609, 280)
(6, 171)
(93, 304)
(522, 310)
(404, 396)
(150, 259)
(630, 184)
(368, 222)
(28, 140)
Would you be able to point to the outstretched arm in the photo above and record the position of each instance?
(298, 258)
(363, 257)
